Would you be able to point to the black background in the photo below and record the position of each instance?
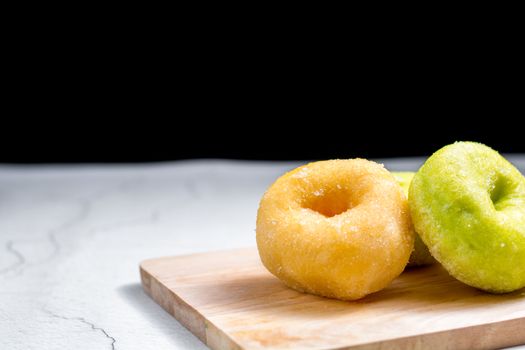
(116, 104)
(254, 137)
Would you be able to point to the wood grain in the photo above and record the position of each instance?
(229, 301)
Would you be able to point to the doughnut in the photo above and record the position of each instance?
(468, 205)
(420, 255)
(337, 228)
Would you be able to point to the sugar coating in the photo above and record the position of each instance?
(338, 228)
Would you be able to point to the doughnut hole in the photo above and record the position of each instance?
(499, 190)
(328, 203)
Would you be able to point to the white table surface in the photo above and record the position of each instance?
(71, 239)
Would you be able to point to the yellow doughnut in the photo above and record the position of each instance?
(336, 228)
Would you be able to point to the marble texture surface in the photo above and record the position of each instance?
(71, 239)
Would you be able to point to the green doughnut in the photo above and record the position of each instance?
(420, 255)
(468, 205)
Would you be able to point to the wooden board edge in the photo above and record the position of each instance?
(499, 334)
(186, 315)
(218, 340)
(481, 337)
(207, 252)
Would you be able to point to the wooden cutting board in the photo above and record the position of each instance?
(229, 301)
